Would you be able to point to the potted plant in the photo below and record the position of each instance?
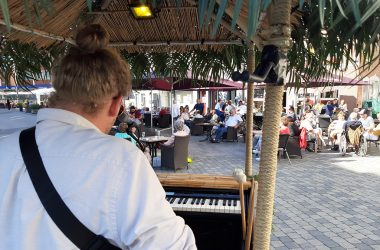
(34, 108)
(20, 105)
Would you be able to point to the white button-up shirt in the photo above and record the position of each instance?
(106, 182)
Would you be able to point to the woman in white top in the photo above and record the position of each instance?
(336, 128)
(180, 130)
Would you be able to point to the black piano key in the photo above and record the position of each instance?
(224, 202)
(235, 203)
(211, 202)
(216, 202)
(172, 200)
(198, 201)
(193, 201)
(203, 201)
(229, 203)
(185, 200)
(180, 201)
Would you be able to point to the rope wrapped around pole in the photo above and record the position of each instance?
(249, 116)
(279, 20)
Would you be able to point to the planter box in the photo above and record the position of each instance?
(34, 111)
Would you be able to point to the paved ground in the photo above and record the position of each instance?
(13, 120)
(323, 201)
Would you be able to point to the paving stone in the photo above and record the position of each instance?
(368, 241)
(362, 246)
(374, 237)
(315, 242)
(284, 239)
(353, 240)
(276, 244)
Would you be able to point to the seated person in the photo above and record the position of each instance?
(284, 129)
(219, 111)
(354, 114)
(185, 116)
(373, 134)
(291, 113)
(228, 107)
(135, 115)
(162, 112)
(336, 128)
(233, 121)
(366, 120)
(242, 108)
(209, 115)
(294, 130)
(309, 123)
(199, 106)
(180, 129)
(257, 139)
(214, 118)
(122, 133)
(197, 115)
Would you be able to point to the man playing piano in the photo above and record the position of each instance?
(106, 182)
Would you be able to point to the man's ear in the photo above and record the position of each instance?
(115, 106)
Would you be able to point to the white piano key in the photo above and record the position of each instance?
(187, 206)
(238, 208)
(174, 205)
(207, 207)
(219, 207)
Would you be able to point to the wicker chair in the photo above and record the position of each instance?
(282, 145)
(324, 123)
(164, 121)
(175, 155)
(293, 147)
(147, 119)
(231, 135)
(196, 129)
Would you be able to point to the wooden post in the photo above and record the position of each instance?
(249, 121)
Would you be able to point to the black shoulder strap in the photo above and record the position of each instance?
(66, 221)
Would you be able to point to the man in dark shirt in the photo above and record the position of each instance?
(199, 107)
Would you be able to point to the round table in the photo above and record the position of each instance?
(208, 127)
(152, 142)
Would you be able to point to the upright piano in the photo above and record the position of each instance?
(210, 205)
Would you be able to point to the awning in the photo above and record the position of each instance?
(328, 82)
(185, 84)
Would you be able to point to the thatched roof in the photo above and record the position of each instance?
(173, 24)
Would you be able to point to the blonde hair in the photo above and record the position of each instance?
(90, 72)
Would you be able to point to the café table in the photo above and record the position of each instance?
(208, 127)
(152, 142)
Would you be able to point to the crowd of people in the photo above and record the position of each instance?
(225, 114)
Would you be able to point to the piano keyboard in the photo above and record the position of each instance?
(204, 203)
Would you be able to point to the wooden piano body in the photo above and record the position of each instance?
(210, 205)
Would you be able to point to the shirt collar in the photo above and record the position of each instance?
(64, 116)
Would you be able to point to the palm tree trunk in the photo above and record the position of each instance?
(279, 21)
